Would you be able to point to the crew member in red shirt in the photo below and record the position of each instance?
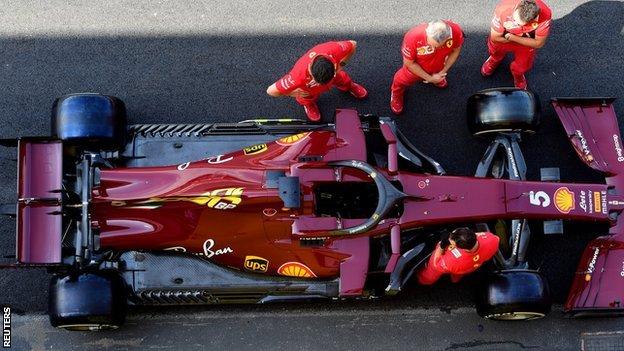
(316, 72)
(520, 27)
(429, 50)
(464, 252)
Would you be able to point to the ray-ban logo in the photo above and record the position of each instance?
(6, 327)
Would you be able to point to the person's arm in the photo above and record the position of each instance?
(345, 59)
(536, 43)
(419, 71)
(437, 255)
(497, 37)
(450, 60)
(274, 92)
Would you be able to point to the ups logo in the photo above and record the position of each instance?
(256, 264)
(255, 149)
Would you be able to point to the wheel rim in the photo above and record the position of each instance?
(88, 327)
(516, 316)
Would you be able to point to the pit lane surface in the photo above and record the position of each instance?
(211, 62)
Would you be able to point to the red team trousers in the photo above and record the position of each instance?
(342, 82)
(523, 56)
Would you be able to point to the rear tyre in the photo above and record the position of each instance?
(90, 121)
(514, 295)
(503, 110)
(87, 301)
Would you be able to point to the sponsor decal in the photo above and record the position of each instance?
(423, 183)
(184, 166)
(583, 201)
(312, 54)
(476, 258)
(292, 139)
(604, 201)
(208, 249)
(618, 148)
(287, 81)
(117, 203)
(597, 202)
(534, 25)
(592, 265)
(295, 269)
(219, 159)
(6, 327)
(256, 264)
(584, 147)
(564, 200)
(255, 149)
(425, 50)
(622, 272)
(456, 253)
(539, 198)
(514, 167)
(449, 43)
(269, 212)
(176, 249)
(219, 199)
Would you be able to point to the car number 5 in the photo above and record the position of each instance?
(539, 198)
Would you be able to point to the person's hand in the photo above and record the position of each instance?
(437, 78)
(299, 93)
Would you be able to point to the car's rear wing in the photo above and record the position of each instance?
(39, 196)
(592, 127)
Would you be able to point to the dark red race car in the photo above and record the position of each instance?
(278, 210)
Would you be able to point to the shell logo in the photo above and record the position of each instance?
(292, 139)
(449, 43)
(564, 200)
(295, 269)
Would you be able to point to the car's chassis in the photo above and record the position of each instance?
(399, 238)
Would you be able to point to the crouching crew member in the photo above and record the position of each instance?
(316, 72)
(429, 50)
(462, 253)
(520, 27)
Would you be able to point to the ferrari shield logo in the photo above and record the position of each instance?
(449, 43)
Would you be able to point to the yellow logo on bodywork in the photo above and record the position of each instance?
(220, 199)
(295, 269)
(292, 139)
(564, 200)
(255, 149)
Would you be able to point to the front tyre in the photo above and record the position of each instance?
(503, 110)
(87, 301)
(514, 295)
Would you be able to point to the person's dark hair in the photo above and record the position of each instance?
(464, 238)
(528, 10)
(322, 70)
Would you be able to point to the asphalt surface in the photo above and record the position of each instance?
(212, 61)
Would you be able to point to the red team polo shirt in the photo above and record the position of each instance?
(300, 77)
(503, 20)
(460, 261)
(416, 48)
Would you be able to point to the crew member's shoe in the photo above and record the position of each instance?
(489, 66)
(358, 91)
(396, 103)
(520, 81)
(443, 84)
(313, 112)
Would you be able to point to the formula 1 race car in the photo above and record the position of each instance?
(280, 210)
